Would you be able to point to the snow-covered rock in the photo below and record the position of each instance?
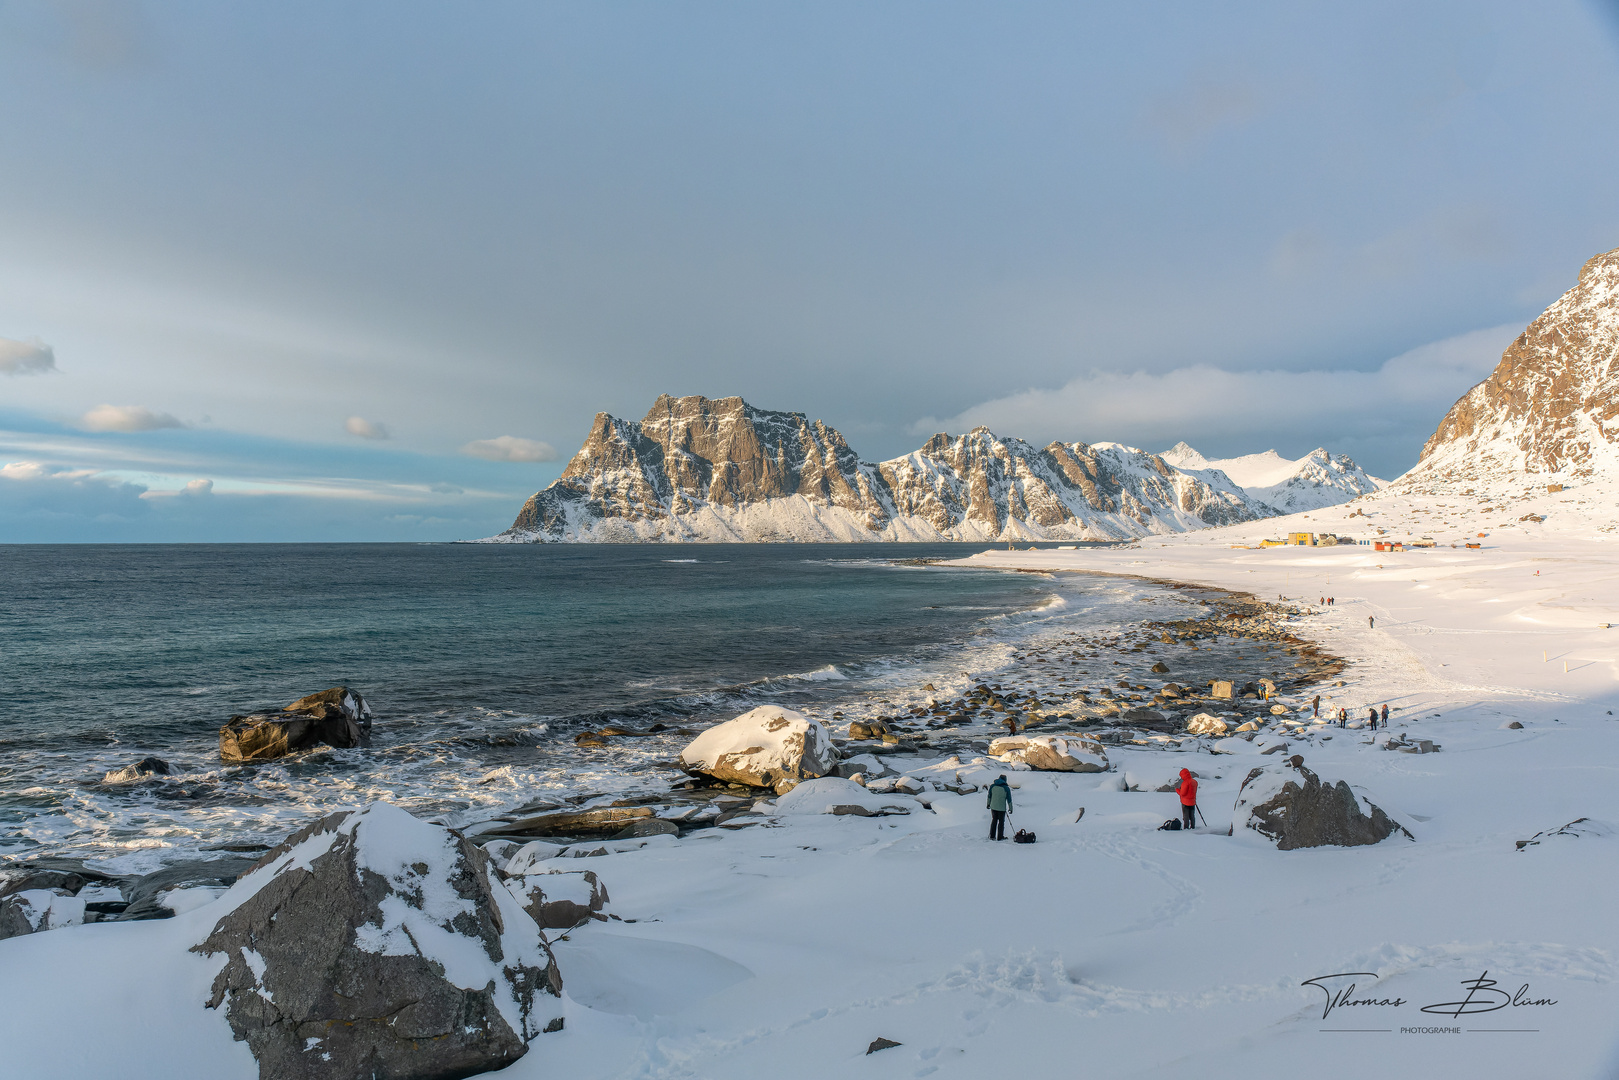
(526, 859)
(1206, 724)
(561, 899)
(762, 747)
(1291, 805)
(1050, 753)
(835, 795)
(34, 910)
(372, 943)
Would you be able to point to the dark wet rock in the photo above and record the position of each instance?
(594, 824)
(338, 703)
(337, 717)
(68, 876)
(374, 944)
(561, 900)
(143, 894)
(1291, 805)
(145, 767)
(649, 826)
(16, 881)
(881, 1044)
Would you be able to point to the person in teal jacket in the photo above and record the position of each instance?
(1000, 804)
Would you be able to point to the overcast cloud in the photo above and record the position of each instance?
(343, 244)
(1354, 412)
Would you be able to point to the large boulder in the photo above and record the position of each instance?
(1051, 753)
(1207, 724)
(337, 717)
(761, 748)
(371, 943)
(1291, 805)
(561, 899)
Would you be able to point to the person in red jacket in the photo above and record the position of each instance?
(1188, 792)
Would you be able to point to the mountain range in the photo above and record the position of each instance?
(715, 470)
(700, 469)
(1316, 480)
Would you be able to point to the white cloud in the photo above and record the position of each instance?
(199, 487)
(1402, 400)
(126, 418)
(30, 357)
(365, 429)
(510, 448)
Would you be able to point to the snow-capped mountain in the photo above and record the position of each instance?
(696, 469)
(1550, 409)
(1318, 479)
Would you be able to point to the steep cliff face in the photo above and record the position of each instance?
(693, 456)
(1549, 407)
(721, 470)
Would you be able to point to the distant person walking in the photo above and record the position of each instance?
(1385, 714)
(1343, 716)
(1000, 804)
(1188, 793)
(1371, 623)
(1316, 705)
(1371, 718)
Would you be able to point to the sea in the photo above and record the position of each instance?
(481, 664)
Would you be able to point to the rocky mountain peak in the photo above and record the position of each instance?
(697, 468)
(1551, 404)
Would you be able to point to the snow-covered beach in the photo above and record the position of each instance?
(1107, 947)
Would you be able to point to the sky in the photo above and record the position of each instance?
(367, 271)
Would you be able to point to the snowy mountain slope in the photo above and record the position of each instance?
(1316, 480)
(1550, 410)
(696, 469)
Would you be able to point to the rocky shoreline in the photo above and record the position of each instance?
(315, 981)
(1152, 686)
